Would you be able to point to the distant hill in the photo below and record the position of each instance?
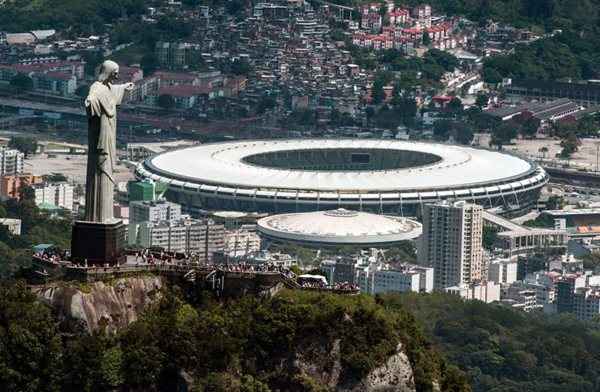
(506, 350)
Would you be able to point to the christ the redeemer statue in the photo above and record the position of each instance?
(101, 106)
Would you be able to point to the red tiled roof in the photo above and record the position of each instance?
(41, 67)
(58, 75)
(165, 75)
(184, 91)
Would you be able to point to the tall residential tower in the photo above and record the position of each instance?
(452, 243)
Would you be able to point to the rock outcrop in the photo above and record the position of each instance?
(395, 375)
(109, 305)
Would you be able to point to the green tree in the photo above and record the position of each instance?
(426, 39)
(92, 59)
(30, 346)
(166, 101)
(444, 59)
(455, 105)
(442, 129)
(234, 7)
(240, 67)
(21, 82)
(481, 101)
(490, 236)
(149, 64)
(265, 103)
(491, 76)
(569, 145)
(82, 91)
(27, 145)
(463, 133)
(555, 202)
(377, 94)
(504, 134)
(529, 127)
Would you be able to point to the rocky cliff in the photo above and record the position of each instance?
(112, 305)
(325, 369)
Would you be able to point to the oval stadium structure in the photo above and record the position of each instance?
(382, 176)
(338, 228)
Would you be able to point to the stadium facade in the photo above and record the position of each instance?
(382, 176)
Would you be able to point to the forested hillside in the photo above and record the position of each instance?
(574, 54)
(288, 343)
(503, 350)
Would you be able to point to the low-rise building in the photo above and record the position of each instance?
(403, 279)
(202, 238)
(12, 225)
(486, 291)
(502, 271)
(12, 185)
(54, 195)
(522, 298)
(277, 259)
(241, 242)
(586, 303)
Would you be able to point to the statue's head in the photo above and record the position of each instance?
(109, 71)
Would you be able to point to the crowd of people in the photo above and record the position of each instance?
(345, 286)
(150, 257)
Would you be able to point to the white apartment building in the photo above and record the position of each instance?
(586, 303)
(191, 236)
(452, 243)
(485, 292)
(521, 297)
(277, 259)
(376, 278)
(241, 242)
(411, 278)
(11, 161)
(153, 211)
(59, 194)
(503, 271)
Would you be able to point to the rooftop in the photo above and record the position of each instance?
(339, 226)
(408, 165)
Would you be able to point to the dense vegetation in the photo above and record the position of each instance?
(506, 350)
(37, 227)
(570, 55)
(574, 54)
(242, 345)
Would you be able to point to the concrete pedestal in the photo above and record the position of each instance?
(98, 243)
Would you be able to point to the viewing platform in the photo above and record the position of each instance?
(224, 280)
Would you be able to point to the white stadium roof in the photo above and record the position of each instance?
(223, 165)
(339, 227)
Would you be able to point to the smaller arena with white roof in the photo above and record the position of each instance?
(338, 228)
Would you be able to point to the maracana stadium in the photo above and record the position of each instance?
(382, 176)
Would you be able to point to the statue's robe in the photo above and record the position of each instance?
(101, 105)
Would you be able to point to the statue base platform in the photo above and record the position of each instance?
(98, 243)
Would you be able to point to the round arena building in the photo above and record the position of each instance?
(336, 228)
(382, 176)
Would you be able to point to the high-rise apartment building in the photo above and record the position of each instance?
(452, 243)
(11, 161)
(153, 211)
